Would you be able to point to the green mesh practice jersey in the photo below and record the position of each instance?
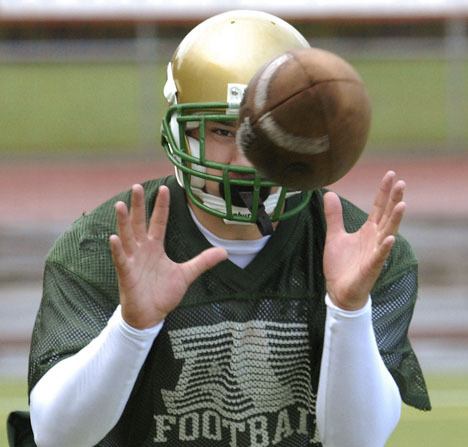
(237, 363)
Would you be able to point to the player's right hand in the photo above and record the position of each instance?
(151, 285)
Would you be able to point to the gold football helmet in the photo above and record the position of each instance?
(206, 79)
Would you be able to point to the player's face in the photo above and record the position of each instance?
(220, 147)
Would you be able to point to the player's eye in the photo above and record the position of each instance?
(223, 132)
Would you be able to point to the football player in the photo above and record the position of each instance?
(216, 308)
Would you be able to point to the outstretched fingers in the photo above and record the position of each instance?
(389, 207)
(138, 212)
(203, 262)
(119, 256)
(392, 223)
(160, 215)
(383, 251)
(382, 197)
(125, 229)
(333, 213)
(396, 197)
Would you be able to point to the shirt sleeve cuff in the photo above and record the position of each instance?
(132, 332)
(339, 312)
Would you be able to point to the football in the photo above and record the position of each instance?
(304, 119)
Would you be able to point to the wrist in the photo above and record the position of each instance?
(139, 318)
(354, 308)
(140, 328)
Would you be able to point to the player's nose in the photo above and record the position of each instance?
(239, 159)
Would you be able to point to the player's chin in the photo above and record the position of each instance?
(212, 188)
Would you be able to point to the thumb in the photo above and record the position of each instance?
(203, 262)
(333, 212)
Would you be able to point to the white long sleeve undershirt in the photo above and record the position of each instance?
(358, 403)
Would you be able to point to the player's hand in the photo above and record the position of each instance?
(151, 285)
(353, 261)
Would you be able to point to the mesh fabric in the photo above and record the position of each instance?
(237, 363)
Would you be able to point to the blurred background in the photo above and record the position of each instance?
(80, 110)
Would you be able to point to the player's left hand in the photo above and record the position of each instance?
(353, 261)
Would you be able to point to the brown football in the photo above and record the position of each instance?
(304, 118)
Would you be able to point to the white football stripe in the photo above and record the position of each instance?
(262, 86)
(290, 142)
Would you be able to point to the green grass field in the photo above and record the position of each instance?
(446, 425)
(86, 108)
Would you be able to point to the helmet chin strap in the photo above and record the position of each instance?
(268, 204)
(242, 196)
